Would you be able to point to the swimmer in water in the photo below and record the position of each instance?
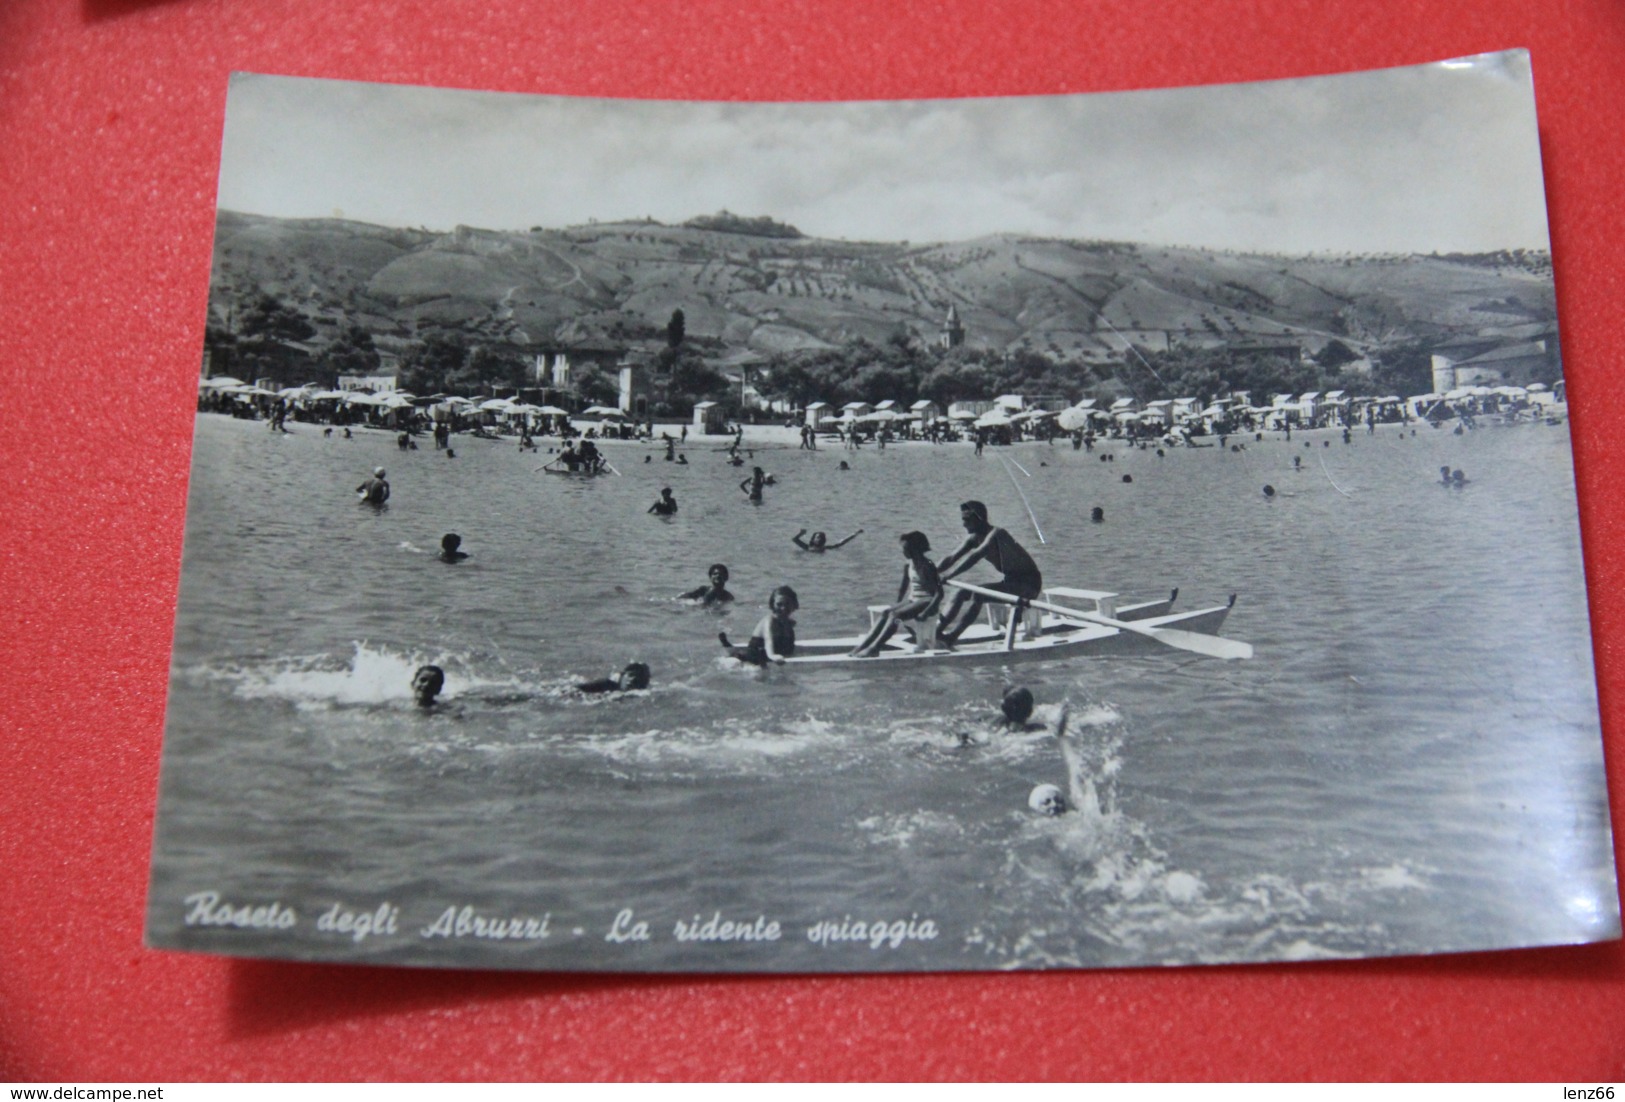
(1016, 707)
(1048, 799)
(818, 542)
(1269, 491)
(426, 685)
(714, 594)
(634, 677)
(666, 506)
(774, 639)
(449, 543)
(1015, 714)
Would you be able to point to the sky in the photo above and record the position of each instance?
(1438, 157)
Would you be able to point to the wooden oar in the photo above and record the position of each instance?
(1213, 646)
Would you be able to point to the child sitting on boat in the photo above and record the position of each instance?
(774, 639)
(918, 596)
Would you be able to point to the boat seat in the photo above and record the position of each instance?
(1105, 604)
(998, 615)
(924, 631)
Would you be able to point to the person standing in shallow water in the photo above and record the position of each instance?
(666, 506)
(375, 490)
(714, 594)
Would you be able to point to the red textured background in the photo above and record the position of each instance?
(110, 116)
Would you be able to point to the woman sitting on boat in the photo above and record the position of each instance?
(917, 597)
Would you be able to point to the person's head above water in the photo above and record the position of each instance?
(1046, 799)
(450, 542)
(718, 574)
(1017, 705)
(426, 684)
(784, 599)
(817, 539)
(634, 676)
(915, 543)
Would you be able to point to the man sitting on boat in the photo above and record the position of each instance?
(589, 457)
(1019, 575)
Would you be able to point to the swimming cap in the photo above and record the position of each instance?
(378, 472)
(974, 507)
(1046, 799)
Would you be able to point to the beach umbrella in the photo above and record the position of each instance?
(496, 405)
(879, 415)
(394, 401)
(553, 411)
(220, 382)
(600, 412)
(1075, 418)
(992, 419)
(961, 415)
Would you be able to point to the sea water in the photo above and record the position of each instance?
(1411, 761)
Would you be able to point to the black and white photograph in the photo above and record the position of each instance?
(1037, 532)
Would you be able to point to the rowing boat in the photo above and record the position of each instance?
(554, 466)
(1090, 622)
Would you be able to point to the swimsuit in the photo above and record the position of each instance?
(784, 642)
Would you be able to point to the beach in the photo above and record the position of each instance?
(1410, 763)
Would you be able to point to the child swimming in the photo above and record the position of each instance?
(818, 542)
(633, 677)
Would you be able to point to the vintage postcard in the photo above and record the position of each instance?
(1049, 532)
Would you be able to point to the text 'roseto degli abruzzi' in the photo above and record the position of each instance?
(465, 922)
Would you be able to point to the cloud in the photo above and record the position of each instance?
(1430, 157)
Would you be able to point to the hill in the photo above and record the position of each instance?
(753, 284)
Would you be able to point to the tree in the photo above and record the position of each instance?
(268, 335)
(594, 387)
(352, 352)
(675, 329)
(431, 365)
(693, 380)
